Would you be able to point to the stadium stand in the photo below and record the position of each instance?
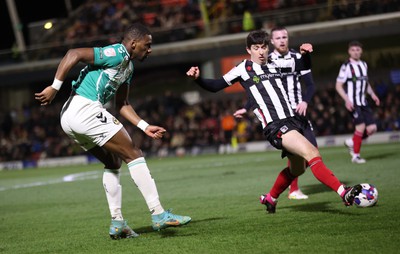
(94, 21)
(192, 128)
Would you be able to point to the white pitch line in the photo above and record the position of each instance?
(98, 174)
(67, 178)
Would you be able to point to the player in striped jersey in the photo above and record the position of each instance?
(291, 81)
(354, 74)
(262, 82)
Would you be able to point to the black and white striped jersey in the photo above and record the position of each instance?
(354, 74)
(291, 80)
(263, 84)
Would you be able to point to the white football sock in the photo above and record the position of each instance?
(144, 181)
(113, 192)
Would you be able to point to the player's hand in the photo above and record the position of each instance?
(349, 105)
(301, 108)
(46, 96)
(155, 132)
(306, 47)
(239, 113)
(193, 72)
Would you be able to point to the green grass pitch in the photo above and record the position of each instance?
(64, 209)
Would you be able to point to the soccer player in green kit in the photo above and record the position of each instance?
(107, 75)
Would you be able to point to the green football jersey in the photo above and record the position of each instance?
(100, 81)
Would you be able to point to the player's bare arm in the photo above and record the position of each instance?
(374, 97)
(342, 93)
(71, 58)
(126, 110)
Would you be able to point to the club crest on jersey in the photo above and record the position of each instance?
(115, 121)
(284, 129)
(256, 79)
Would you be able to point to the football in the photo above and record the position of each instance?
(367, 197)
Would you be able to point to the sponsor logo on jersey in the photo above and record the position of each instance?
(110, 52)
(270, 75)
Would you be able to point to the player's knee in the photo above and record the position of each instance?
(313, 153)
(295, 172)
(371, 129)
(114, 171)
(113, 163)
(131, 154)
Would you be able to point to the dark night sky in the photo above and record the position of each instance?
(30, 11)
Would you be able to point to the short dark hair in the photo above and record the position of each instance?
(257, 37)
(355, 44)
(136, 31)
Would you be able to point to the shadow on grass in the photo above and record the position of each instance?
(380, 156)
(325, 207)
(319, 206)
(315, 188)
(315, 206)
(171, 231)
(319, 188)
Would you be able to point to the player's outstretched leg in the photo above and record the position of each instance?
(168, 219)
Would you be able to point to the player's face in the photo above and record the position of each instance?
(355, 52)
(142, 48)
(258, 53)
(280, 41)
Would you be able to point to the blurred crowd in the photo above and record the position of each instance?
(99, 17)
(181, 19)
(34, 132)
(99, 22)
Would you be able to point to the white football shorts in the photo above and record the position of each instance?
(87, 122)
